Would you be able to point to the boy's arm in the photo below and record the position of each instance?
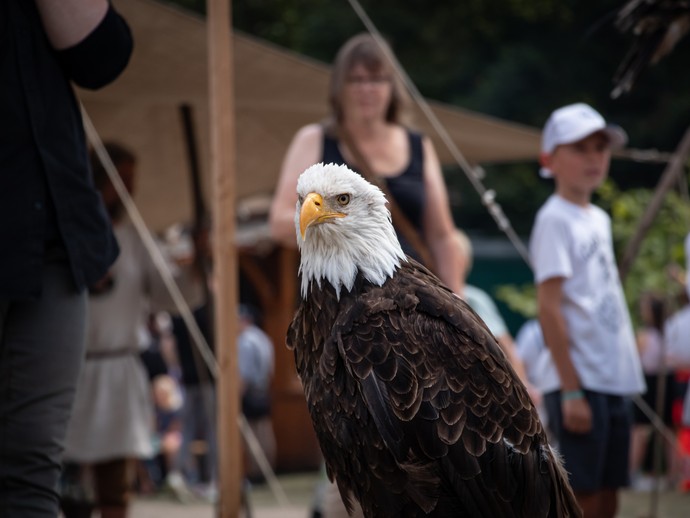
(577, 416)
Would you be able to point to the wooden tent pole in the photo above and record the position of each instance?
(222, 131)
(668, 178)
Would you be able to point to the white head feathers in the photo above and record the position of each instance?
(356, 235)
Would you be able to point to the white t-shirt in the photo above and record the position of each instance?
(575, 243)
(687, 263)
(255, 357)
(652, 354)
(677, 338)
(536, 357)
(482, 303)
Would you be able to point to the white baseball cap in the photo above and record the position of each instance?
(575, 122)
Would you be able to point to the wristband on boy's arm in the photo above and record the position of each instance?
(569, 395)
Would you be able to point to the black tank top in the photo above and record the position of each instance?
(407, 187)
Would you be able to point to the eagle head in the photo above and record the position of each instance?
(343, 228)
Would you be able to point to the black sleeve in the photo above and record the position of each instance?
(100, 57)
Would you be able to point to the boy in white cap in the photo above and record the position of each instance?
(582, 310)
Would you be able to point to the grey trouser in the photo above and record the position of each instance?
(41, 352)
(198, 415)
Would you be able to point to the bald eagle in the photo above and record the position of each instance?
(415, 406)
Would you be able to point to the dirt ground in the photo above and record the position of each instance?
(299, 490)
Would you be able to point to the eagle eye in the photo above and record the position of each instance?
(343, 199)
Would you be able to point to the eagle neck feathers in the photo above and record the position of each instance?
(338, 257)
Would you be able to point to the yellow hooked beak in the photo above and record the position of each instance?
(314, 211)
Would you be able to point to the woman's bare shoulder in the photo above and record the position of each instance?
(313, 131)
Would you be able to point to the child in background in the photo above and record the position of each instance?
(582, 310)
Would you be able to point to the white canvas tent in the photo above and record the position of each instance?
(276, 92)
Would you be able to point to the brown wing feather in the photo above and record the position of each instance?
(416, 407)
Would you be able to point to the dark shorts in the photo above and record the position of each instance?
(599, 459)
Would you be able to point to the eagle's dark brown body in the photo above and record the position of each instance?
(416, 409)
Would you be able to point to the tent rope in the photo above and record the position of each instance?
(178, 299)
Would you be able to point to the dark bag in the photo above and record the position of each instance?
(256, 404)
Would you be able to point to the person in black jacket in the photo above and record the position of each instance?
(55, 235)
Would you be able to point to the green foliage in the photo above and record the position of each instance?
(663, 244)
(520, 299)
